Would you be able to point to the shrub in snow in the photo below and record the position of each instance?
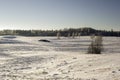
(44, 40)
(96, 45)
(92, 37)
(44, 72)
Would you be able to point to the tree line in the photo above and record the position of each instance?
(62, 32)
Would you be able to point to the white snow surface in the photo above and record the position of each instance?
(27, 58)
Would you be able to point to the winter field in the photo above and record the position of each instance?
(27, 58)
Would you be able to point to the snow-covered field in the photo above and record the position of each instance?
(26, 58)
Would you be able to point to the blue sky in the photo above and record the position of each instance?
(59, 14)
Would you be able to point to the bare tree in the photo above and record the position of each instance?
(96, 45)
(73, 35)
(76, 34)
(79, 34)
(68, 35)
(58, 35)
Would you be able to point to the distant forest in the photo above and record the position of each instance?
(63, 32)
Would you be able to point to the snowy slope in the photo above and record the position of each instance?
(26, 58)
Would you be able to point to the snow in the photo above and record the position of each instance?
(27, 58)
